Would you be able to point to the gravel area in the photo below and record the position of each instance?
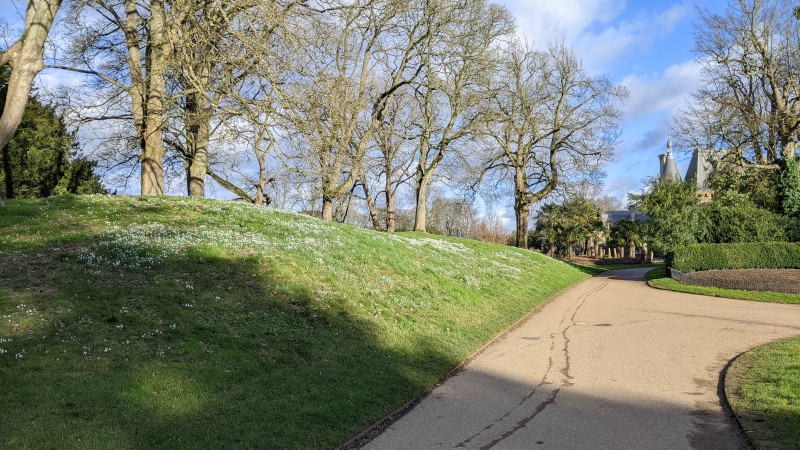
(775, 280)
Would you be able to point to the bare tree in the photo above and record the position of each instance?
(129, 46)
(229, 52)
(750, 103)
(550, 121)
(457, 65)
(389, 164)
(25, 56)
(359, 55)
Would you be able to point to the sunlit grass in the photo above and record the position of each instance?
(658, 278)
(172, 323)
(763, 388)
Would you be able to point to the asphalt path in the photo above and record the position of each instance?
(609, 363)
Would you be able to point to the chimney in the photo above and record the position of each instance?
(662, 165)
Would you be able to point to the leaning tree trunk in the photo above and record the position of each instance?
(373, 209)
(26, 59)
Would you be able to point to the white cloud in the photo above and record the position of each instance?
(546, 20)
(621, 187)
(612, 43)
(603, 31)
(661, 93)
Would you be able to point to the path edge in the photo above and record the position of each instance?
(370, 432)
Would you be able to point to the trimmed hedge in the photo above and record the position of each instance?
(750, 255)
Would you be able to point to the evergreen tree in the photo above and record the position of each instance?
(737, 218)
(789, 187)
(676, 219)
(37, 162)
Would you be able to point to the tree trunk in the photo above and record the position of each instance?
(327, 208)
(632, 251)
(8, 173)
(422, 205)
(230, 186)
(373, 210)
(26, 59)
(390, 218)
(261, 196)
(153, 155)
(199, 135)
(199, 162)
(390, 214)
(522, 212)
(790, 150)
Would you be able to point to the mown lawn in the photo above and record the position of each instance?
(659, 279)
(131, 322)
(763, 388)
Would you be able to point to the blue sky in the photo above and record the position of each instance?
(644, 45)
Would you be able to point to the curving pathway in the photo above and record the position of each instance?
(610, 363)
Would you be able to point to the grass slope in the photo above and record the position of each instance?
(658, 278)
(174, 323)
(763, 388)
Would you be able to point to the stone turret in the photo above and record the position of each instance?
(669, 168)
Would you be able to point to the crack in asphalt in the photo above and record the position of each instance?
(564, 381)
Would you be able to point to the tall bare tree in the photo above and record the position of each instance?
(457, 65)
(25, 56)
(228, 50)
(396, 154)
(750, 102)
(128, 47)
(359, 55)
(550, 121)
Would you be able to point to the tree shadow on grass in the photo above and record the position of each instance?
(203, 351)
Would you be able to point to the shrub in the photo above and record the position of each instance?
(755, 255)
(737, 219)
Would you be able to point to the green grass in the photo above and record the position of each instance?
(174, 323)
(594, 269)
(763, 388)
(658, 278)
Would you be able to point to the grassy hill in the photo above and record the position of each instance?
(175, 323)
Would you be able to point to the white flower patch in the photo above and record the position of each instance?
(509, 270)
(455, 248)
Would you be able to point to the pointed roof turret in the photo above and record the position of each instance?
(698, 169)
(671, 171)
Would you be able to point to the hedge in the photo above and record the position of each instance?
(750, 255)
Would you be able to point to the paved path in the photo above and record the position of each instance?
(610, 363)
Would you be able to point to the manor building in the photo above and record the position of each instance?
(700, 168)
